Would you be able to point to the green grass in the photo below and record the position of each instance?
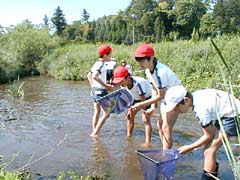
(227, 80)
(195, 63)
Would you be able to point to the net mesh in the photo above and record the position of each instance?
(158, 164)
(116, 102)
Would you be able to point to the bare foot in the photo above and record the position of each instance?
(147, 145)
(94, 136)
(129, 136)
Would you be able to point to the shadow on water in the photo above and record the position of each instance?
(52, 109)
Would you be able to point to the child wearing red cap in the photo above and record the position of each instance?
(97, 79)
(110, 65)
(162, 78)
(140, 90)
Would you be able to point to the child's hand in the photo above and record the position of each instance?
(184, 149)
(136, 107)
(150, 112)
(131, 114)
(110, 88)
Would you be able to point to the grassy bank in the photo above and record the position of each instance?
(194, 62)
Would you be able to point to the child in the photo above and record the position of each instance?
(124, 64)
(141, 90)
(209, 106)
(162, 78)
(98, 82)
(110, 67)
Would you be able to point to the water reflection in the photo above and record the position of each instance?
(51, 109)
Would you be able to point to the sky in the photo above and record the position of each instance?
(13, 12)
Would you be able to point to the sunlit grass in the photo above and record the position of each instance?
(234, 160)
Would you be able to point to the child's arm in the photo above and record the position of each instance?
(89, 76)
(157, 94)
(208, 136)
(96, 77)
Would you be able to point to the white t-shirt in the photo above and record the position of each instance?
(99, 66)
(211, 104)
(140, 87)
(111, 64)
(129, 68)
(164, 77)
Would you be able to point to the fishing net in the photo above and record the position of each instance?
(117, 101)
(158, 164)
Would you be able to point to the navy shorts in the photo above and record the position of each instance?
(229, 125)
(98, 93)
(109, 74)
(137, 101)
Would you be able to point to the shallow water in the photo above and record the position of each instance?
(53, 110)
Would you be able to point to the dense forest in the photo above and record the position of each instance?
(177, 28)
(150, 20)
(153, 21)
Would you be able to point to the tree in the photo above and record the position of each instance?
(45, 20)
(59, 21)
(189, 14)
(85, 16)
(207, 26)
(233, 12)
(165, 19)
(159, 28)
(220, 17)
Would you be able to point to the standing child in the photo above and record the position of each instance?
(110, 67)
(162, 78)
(97, 79)
(210, 106)
(141, 90)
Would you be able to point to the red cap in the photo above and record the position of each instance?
(104, 49)
(119, 74)
(144, 50)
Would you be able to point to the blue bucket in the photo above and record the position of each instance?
(158, 164)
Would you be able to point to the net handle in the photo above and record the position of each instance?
(147, 157)
(158, 163)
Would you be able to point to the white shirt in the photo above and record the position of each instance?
(111, 64)
(100, 67)
(129, 68)
(140, 87)
(164, 77)
(211, 104)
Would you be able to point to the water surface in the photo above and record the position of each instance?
(52, 110)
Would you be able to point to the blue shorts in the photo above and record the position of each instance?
(98, 93)
(137, 101)
(229, 125)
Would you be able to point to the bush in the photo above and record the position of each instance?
(22, 48)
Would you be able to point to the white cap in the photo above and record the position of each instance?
(173, 96)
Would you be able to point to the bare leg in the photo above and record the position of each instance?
(97, 110)
(159, 125)
(100, 124)
(210, 152)
(130, 126)
(148, 130)
(130, 122)
(169, 119)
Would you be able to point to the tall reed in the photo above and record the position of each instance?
(227, 78)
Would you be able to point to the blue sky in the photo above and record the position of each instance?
(13, 12)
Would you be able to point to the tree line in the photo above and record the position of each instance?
(50, 47)
(153, 21)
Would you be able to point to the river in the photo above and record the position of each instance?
(51, 126)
